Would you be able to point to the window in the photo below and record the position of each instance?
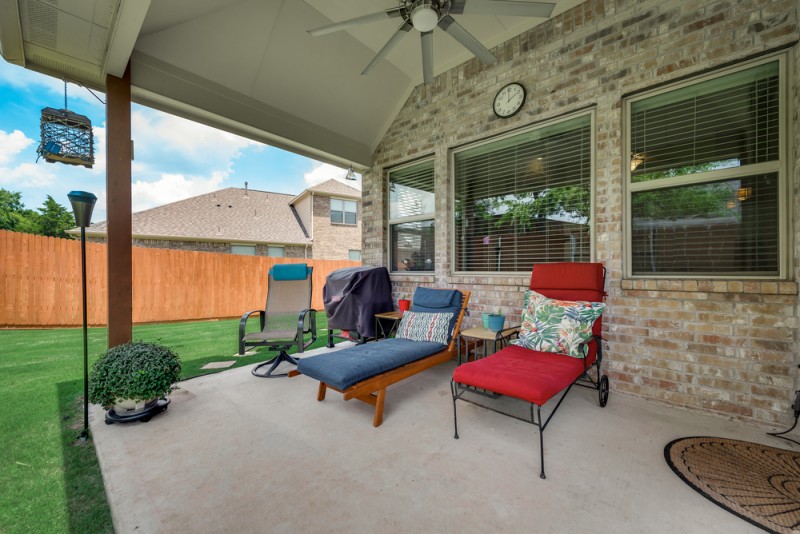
(411, 218)
(343, 211)
(244, 250)
(276, 252)
(354, 255)
(525, 199)
(705, 176)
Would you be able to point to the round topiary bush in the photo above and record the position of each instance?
(138, 371)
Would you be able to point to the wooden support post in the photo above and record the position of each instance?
(118, 208)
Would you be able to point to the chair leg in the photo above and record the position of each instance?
(321, 391)
(455, 417)
(541, 440)
(282, 357)
(378, 419)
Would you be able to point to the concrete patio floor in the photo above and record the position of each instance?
(236, 453)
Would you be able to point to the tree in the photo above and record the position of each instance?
(54, 219)
(10, 207)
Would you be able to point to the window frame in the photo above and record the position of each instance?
(274, 247)
(251, 248)
(781, 167)
(344, 202)
(410, 219)
(592, 113)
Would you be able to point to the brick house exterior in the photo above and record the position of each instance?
(723, 345)
(244, 221)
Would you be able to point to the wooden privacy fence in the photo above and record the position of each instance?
(40, 282)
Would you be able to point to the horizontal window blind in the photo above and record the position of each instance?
(725, 227)
(524, 199)
(411, 218)
(411, 191)
(731, 120)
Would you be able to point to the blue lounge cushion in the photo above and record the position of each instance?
(343, 368)
(290, 271)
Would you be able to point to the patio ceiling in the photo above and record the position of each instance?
(246, 66)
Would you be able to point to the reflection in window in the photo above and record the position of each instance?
(525, 199)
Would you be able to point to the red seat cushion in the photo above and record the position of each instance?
(522, 373)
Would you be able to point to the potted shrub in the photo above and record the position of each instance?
(403, 303)
(496, 321)
(132, 380)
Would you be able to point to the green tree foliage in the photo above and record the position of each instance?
(52, 219)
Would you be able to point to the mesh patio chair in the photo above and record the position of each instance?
(286, 318)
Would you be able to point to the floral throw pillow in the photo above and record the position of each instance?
(550, 325)
(424, 326)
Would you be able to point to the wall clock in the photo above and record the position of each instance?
(509, 100)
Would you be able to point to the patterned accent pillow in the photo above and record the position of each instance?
(550, 325)
(423, 326)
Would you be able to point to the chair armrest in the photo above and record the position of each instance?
(312, 327)
(243, 321)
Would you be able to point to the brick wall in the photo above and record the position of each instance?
(726, 347)
(333, 241)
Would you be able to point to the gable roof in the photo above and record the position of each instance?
(231, 215)
(331, 187)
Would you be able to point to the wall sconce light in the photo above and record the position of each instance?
(744, 193)
(637, 159)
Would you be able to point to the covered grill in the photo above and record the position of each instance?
(352, 296)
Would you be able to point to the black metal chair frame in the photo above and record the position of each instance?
(458, 391)
(585, 380)
(282, 356)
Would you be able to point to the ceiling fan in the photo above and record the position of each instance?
(425, 15)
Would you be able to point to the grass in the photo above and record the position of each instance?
(51, 480)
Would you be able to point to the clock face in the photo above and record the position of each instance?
(509, 100)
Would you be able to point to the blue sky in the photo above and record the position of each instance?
(174, 158)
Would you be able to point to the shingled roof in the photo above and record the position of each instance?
(231, 215)
(333, 188)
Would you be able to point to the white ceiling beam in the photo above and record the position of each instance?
(11, 45)
(124, 32)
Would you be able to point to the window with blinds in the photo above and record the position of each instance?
(705, 176)
(525, 199)
(344, 211)
(411, 218)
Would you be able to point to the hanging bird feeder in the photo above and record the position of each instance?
(66, 136)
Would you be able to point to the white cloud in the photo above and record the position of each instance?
(172, 187)
(325, 171)
(26, 175)
(12, 144)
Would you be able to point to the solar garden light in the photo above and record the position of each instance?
(82, 206)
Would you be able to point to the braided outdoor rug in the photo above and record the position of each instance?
(760, 484)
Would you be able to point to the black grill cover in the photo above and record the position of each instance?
(353, 295)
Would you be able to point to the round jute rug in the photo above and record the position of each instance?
(760, 484)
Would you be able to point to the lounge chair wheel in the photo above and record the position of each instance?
(603, 389)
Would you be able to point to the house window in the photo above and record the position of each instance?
(343, 211)
(276, 252)
(244, 250)
(354, 255)
(411, 218)
(525, 198)
(705, 179)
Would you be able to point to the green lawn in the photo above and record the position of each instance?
(51, 481)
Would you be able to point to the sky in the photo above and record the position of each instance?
(173, 158)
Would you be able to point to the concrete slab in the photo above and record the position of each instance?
(235, 453)
(218, 365)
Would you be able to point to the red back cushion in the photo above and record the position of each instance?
(571, 281)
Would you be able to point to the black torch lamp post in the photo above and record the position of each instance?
(82, 206)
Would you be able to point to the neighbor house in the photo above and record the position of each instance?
(322, 222)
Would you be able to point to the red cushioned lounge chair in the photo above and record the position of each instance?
(535, 377)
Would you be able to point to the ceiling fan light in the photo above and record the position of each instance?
(424, 17)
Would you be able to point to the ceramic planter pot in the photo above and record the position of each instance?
(496, 322)
(404, 304)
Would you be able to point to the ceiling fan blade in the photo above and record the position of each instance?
(427, 56)
(466, 39)
(391, 43)
(373, 17)
(513, 8)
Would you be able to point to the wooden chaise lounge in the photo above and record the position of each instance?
(365, 371)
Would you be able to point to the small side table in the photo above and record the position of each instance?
(387, 319)
(484, 336)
